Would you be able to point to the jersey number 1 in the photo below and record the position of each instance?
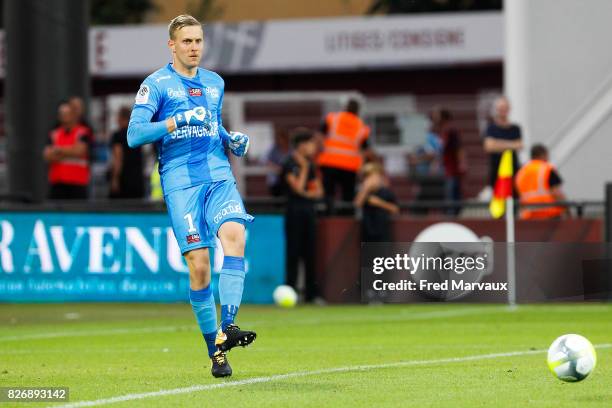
(190, 223)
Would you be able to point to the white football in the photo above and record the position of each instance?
(571, 358)
(284, 296)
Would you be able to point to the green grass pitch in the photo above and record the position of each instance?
(428, 355)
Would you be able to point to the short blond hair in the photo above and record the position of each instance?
(372, 168)
(181, 21)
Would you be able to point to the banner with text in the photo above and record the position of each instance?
(56, 257)
(309, 45)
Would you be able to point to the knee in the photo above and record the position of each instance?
(232, 238)
(199, 277)
(199, 272)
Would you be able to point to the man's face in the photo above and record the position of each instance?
(309, 148)
(502, 108)
(77, 106)
(65, 115)
(187, 45)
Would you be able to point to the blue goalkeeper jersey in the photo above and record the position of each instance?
(191, 155)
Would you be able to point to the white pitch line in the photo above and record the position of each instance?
(308, 321)
(280, 377)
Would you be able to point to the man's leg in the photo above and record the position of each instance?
(194, 239)
(292, 239)
(231, 285)
(309, 242)
(201, 295)
(329, 188)
(347, 184)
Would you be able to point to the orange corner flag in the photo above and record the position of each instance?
(503, 185)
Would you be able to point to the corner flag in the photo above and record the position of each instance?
(503, 185)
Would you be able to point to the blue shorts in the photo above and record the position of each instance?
(197, 212)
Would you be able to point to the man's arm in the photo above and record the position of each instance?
(78, 150)
(147, 101)
(317, 192)
(555, 181)
(385, 205)
(50, 153)
(142, 131)
(298, 183)
(493, 145)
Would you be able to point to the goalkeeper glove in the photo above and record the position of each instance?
(193, 117)
(238, 143)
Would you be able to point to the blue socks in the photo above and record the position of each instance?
(203, 305)
(231, 285)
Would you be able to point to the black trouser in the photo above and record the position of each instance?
(333, 177)
(61, 191)
(300, 233)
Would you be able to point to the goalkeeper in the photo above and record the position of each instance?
(178, 108)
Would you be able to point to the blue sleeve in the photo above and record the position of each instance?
(223, 133)
(141, 130)
(146, 104)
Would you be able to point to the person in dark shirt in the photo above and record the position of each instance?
(378, 203)
(499, 136)
(453, 159)
(304, 188)
(126, 167)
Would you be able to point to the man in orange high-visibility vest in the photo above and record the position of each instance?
(341, 158)
(538, 182)
(67, 153)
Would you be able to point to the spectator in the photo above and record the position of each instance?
(127, 178)
(274, 160)
(341, 158)
(501, 135)
(538, 182)
(427, 159)
(378, 203)
(453, 158)
(67, 153)
(303, 190)
(427, 171)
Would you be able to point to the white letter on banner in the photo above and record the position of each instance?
(97, 249)
(175, 259)
(64, 257)
(149, 254)
(39, 245)
(8, 233)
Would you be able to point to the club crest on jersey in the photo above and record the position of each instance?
(193, 238)
(212, 91)
(142, 96)
(195, 91)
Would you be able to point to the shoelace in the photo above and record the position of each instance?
(219, 358)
